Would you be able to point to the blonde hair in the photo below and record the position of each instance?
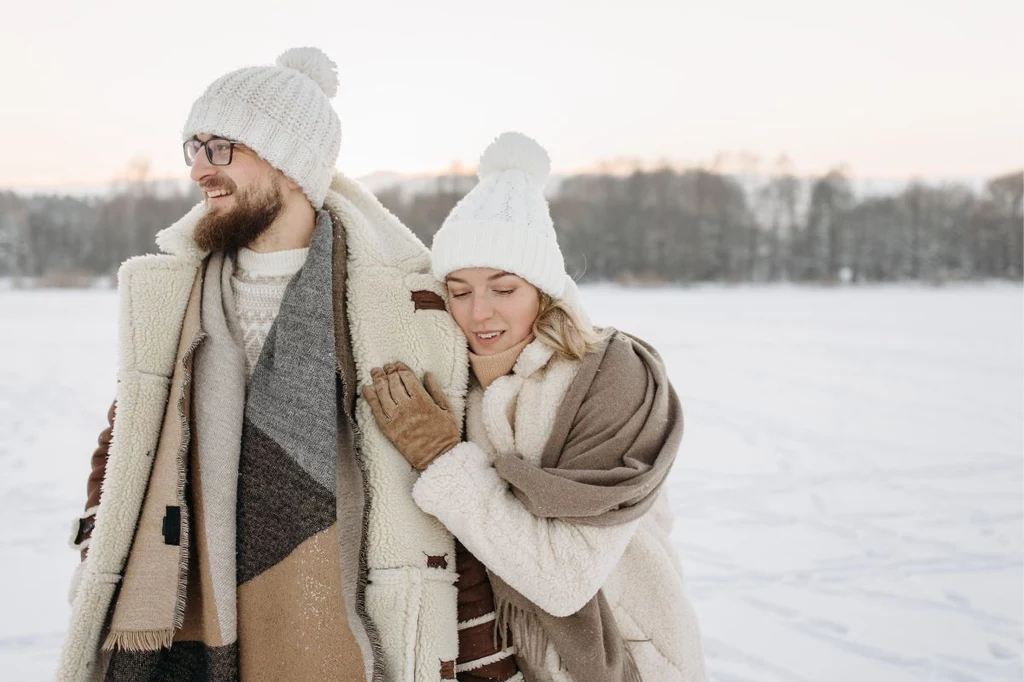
(560, 327)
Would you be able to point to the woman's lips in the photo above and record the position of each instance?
(490, 338)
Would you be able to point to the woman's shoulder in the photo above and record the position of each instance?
(625, 356)
(619, 362)
(619, 374)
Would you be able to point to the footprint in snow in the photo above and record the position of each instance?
(958, 599)
(1000, 651)
(831, 626)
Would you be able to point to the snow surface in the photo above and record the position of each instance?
(849, 492)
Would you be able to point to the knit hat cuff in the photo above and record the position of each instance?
(531, 254)
(272, 141)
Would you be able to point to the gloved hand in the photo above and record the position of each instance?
(417, 419)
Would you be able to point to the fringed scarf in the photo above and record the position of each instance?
(613, 442)
(255, 589)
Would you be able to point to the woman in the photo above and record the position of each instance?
(570, 434)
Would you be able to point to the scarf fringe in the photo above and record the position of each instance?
(630, 670)
(139, 640)
(376, 646)
(521, 626)
(185, 545)
(531, 640)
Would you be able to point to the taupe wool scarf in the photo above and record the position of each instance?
(613, 442)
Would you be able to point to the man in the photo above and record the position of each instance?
(254, 523)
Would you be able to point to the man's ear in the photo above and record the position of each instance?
(286, 183)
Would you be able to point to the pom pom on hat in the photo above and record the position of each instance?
(312, 62)
(515, 151)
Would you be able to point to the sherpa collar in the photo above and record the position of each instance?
(536, 355)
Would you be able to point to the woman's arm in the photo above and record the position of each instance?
(556, 564)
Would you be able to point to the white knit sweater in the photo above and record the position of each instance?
(258, 283)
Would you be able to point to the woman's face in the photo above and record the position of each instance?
(494, 309)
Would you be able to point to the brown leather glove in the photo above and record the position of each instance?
(417, 419)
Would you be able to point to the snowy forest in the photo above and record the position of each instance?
(647, 226)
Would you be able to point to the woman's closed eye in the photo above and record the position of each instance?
(500, 292)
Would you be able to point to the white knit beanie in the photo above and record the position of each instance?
(504, 222)
(281, 112)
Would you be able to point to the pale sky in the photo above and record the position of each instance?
(890, 88)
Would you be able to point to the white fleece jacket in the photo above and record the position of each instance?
(556, 564)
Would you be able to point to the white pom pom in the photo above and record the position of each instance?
(315, 64)
(516, 151)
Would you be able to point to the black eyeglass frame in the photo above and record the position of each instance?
(209, 153)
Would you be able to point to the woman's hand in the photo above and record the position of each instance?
(417, 420)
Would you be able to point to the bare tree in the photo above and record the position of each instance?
(627, 223)
(831, 200)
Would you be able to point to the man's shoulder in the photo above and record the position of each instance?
(155, 263)
(154, 276)
(374, 236)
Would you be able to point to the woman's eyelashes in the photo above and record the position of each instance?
(463, 294)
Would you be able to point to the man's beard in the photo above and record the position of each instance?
(228, 230)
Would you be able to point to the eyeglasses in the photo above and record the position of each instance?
(219, 150)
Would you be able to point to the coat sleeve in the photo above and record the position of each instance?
(82, 527)
(558, 565)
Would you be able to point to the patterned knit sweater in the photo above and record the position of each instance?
(258, 283)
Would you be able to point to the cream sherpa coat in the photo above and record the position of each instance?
(412, 605)
(559, 565)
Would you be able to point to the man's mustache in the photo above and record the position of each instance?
(217, 184)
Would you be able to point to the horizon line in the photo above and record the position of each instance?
(622, 167)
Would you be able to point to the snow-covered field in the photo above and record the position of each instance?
(849, 494)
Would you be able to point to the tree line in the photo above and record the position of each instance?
(647, 226)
